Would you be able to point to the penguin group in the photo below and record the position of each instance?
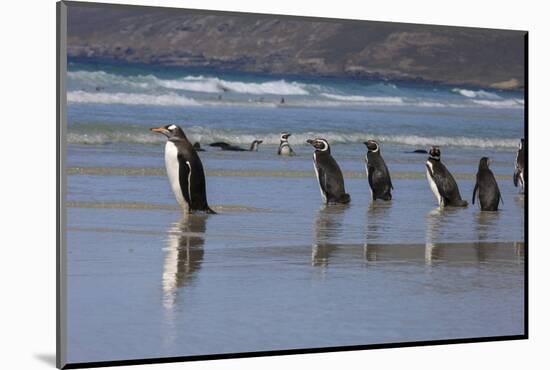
(187, 180)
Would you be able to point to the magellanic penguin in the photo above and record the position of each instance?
(520, 166)
(255, 144)
(377, 172)
(233, 148)
(486, 187)
(197, 147)
(329, 175)
(284, 146)
(442, 182)
(184, 169)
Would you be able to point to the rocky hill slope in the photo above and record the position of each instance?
(287, 45)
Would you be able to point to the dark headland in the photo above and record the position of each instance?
(285, 45)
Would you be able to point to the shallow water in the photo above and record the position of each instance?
(275, 269)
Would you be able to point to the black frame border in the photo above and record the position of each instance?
(61, 212)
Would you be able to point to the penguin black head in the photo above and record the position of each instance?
(257, 142)
(372, 146)
(170, 131)
(285, 136)
(319, 144)
(484, 163)
(197, 145)
(435, 153)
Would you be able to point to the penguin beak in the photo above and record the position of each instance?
(309, 141)
(160, 130)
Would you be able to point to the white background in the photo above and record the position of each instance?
(27, 182)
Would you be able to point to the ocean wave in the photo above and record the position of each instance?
(170, 99)
(508, 103)
(216, 85)
(199, 84)
(97, 135)
(476, 94)
(365, 99)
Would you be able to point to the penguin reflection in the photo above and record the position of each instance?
(435, 224)
(184, 255)
(328, 228)
(376, 228)
(486, 229)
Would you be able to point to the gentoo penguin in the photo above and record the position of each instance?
(234, 148)
(329, 175)
(519, 166)
(377, 172)
(284, 146)
(184, 169)
(487, 187)
(442, 182)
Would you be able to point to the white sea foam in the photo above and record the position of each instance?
(102, 87)
(390, 100)
(216, 85)
(476, 94)
(508, 103)
(189, 83)
(170, 99)
(99, 135)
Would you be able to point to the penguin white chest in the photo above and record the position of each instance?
(285, 149)
(433, 186)
(367, 172)
(172, 170)
(323, 195)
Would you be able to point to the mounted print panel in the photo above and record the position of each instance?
(239, 184)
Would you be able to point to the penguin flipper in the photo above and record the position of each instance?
(516, 177)
(323, 181)
(446, 185)
(370, 172)
(184, 175)
(474, 194)
(279, 150)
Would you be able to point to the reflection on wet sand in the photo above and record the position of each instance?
(184, 255)
(486, 249)
(376, 227)
(436, 220)
(328, 228)
(486, 225)
(520, 200)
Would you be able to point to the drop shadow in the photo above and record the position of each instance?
(47, 358)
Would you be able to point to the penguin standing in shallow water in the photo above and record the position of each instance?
(486, 187)
(377, 172)
(519, 166)
(329, 175)
(442, 182)
(284, 146)
(184, 169)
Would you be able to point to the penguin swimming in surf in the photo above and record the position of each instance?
(184, 170)
(233, 148)
(377, 172)
(284, 146)
(329, 175)
(519, 166)
(197, 147)
(442, 182)
(486, 187)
